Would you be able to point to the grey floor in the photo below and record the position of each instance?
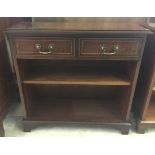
(13, 128)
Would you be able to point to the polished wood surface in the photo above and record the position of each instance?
(88, 47)
(5, 76)
(76, 78)
(8, 91)
(93, 47)
(101, 84)
(60, 46)
(144, 97)
(78, 26)
(96, 19)
(73, 48)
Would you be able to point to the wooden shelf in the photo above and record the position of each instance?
(76, 78)
(77, 110)
(150, 115)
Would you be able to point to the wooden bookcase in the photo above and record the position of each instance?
(5, 76)
(77, 72)
(8, 91)
(144, 101)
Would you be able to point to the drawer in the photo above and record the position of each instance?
(45, 46)
(110, 47)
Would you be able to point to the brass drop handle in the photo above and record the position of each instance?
(103, 47)
(115, 48)
(39, 47)
(50, 47)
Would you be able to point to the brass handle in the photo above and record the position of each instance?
(103, 47)
(50, 47)
(109, 53)
(45, 52)
(115, 48)
(39, 47)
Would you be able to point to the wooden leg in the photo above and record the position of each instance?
(2, 133)
(26, 127)
(141, 129)
(125, 130)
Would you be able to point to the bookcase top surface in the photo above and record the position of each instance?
(150, 26)
(78, 26)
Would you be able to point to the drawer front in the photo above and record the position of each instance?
(110, 47)
(45, 46)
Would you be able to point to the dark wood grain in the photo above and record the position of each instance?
(79, 26)
(144, 98)
(124, 127)
(5, 76)
(8, 91)
(113, 20)
(126, 47)
(77, 89)
(76, 110)
(74, 72)
(73, 78)
(61, 46)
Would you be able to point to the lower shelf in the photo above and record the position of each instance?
(150, 115)
(81, 110)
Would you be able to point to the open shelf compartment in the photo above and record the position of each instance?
(75, 103)
(150, 114)
(76, 72)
